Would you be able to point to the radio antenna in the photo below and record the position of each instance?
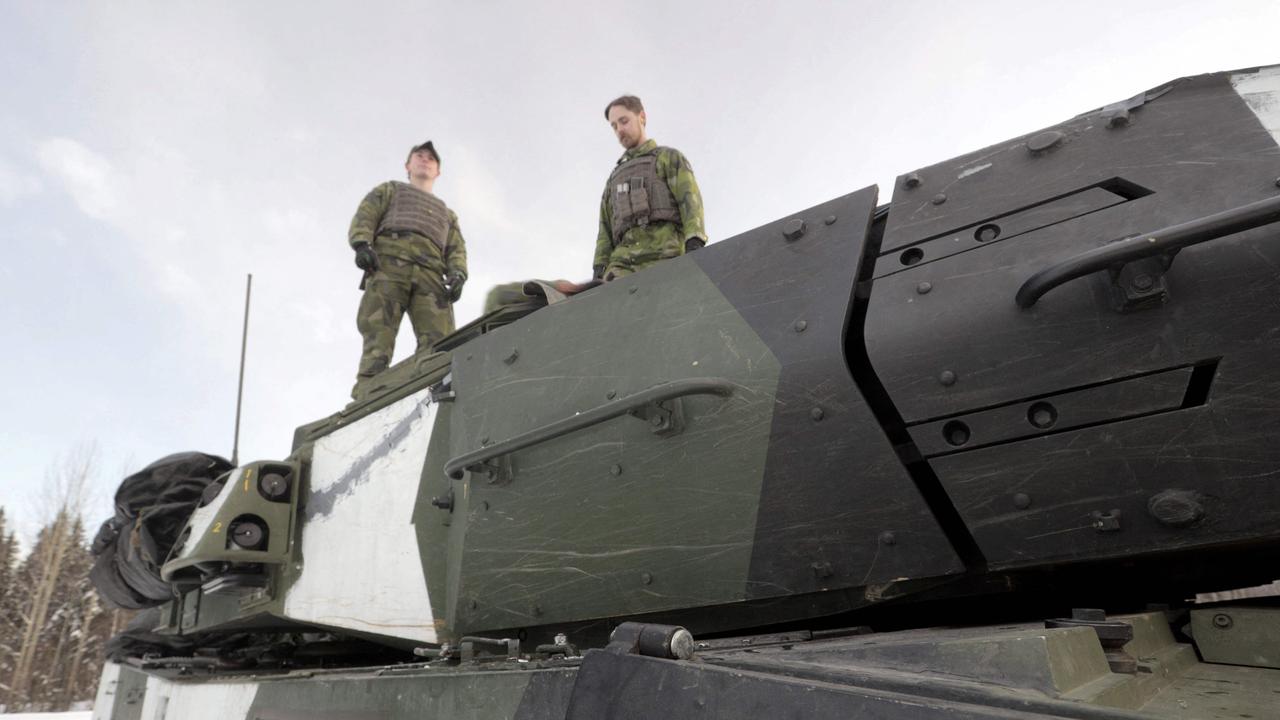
(244, 341)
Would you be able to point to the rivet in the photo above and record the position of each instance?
(473, 604)
(656, 421)
(616, 470)
(829, 220)
(611, 394)
(1022, 501)
(924, 288)
(1118, 120)
(646, 578)
(948, 378)
(911, 181)
(822, 569)
(1143, 282)
(1277, 182)
(888, 538)
(484, 506)
(1222, 620)
(801, 325)
(536, 610)
(1045, 140)
(939, 199)
(817, 414)
(511, 357)
(794, 229)
(484, 440)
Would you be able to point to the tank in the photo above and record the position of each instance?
(969, 453)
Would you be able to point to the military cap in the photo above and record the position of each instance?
(428, 146)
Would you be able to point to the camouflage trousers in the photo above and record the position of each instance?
(643, 247)
(400, 286)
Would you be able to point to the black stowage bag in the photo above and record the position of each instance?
(152, 507)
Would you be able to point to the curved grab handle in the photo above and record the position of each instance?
(1174, 237)
(617, 408)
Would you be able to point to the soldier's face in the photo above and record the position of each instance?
(627, 125)
(423, 164)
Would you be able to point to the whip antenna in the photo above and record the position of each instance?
(244, 341)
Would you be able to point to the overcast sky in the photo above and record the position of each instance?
(152, 154)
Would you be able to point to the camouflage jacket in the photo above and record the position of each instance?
(640, 246)
(406, 246)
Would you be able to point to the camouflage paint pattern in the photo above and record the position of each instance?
(641, 247)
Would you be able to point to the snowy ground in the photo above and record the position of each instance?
(77, 715)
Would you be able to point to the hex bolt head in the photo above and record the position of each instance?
(924, 287)
(939, 199)
(1022, 501)
(888, 538)
(611, 394)
(947, 378)
(801, 325)
(1143, 281)
(817, 414)
(632, 290)
(794, 229)
(829, 220)
(911, 181)
(822, 569)
(1222, 620)
(511, 356)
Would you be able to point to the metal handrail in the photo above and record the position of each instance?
(615, 408)
(1168, 240)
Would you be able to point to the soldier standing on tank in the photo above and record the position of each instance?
(410, 247)
(652, 208)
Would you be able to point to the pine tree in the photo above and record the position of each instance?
(9, 598)
(45, 579)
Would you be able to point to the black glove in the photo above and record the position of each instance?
(597, 272)
(366, 258)
(453, 284)
(694, 243)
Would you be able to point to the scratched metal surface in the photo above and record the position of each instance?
(1199, 149)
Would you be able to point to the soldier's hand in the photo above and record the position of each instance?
(694, 243)
(366, 258)
(453, 283)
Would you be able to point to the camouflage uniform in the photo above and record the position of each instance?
(410, 277)
(645, 245)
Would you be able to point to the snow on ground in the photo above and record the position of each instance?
(77, 715)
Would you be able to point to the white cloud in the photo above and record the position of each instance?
(85, 174)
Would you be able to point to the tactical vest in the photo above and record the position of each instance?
(638, 196)
(413, 210)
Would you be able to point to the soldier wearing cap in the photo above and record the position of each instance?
(411, 249)
(651, 209)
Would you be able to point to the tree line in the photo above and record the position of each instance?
(53, 624)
